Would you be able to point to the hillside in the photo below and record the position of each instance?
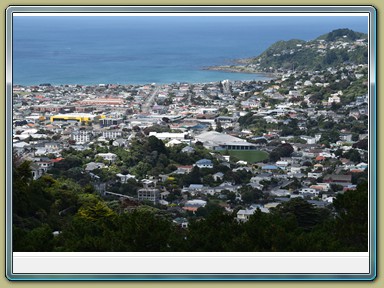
(342, 34)
(341, 46)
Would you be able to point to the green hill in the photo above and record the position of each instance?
(342, 34)
(329, 50)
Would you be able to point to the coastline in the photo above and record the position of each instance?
(241, 69)
(226, 69)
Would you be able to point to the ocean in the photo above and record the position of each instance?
(140, 50)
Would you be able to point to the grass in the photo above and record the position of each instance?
(250, 156)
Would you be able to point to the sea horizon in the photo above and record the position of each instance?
(143, 50)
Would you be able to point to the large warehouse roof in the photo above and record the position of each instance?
(220, 138)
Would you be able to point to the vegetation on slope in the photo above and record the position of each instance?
(301, 55)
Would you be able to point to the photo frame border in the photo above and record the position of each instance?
(205, 9)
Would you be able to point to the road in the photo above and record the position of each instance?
(149, 101)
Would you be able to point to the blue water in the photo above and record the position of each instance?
(138, 50)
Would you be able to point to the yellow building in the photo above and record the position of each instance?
(79, 117)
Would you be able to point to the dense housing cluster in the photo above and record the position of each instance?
(180, 156)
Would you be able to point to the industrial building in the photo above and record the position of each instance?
(219, 141)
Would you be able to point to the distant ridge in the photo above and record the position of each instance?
(338, 47)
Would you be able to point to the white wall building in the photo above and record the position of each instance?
(81, 137)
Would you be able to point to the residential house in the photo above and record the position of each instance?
(173, 142)
(188, 150)
(338, 179)
(36, 170)
(124, 178)
(244, 214)
(312, 191)
(183, 169)
(120, 142)
(94, 165)
(218, 176)
(204, 163)
(269, 168)
(193, 205)
(280, 192)
(181, 222)
(282, 164)
(347, 137)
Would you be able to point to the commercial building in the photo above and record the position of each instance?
(75, 117)
(219, 141)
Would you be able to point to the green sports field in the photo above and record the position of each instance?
(252, 156)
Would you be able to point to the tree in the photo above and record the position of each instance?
(353, 155)
(39, 239)
(208, 180)
(194, 177)
(209, 209)
(307, 216)
(95, 212)
(362, 144)
(201, 237)
(352, 218)
(250, 195)
(141, 169)
(218, 127)
(283, 150)
(330, 136)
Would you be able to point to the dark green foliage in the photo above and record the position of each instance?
(329, 136)
(209, 209)
(250, 195)
(362, 144)
(238, 177)
(353, 155)
(39, 239)
(359, 178)
(352, 218)
(87, 223)
(140, 231)
(283, 150)
(287, 55)
(306, 215)
(343, 34)
(216, 233)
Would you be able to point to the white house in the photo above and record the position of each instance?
(309, 190)
(333, 99)
(243, 215)
(282, 164)
(108, 156)
(125, 178)
(169, 136)
(204, 163)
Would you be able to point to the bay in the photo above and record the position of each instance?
(139, 50)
